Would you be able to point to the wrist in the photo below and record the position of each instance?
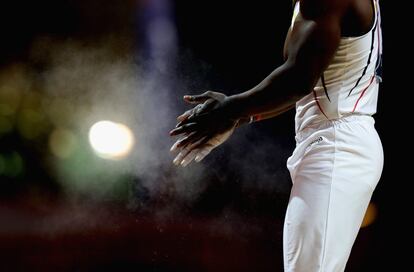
(243, 121)
(237, 107)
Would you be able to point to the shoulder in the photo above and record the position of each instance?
(314, 9)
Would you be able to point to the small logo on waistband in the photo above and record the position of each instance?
(316, 141)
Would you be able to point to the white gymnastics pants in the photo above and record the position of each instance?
(335, 168)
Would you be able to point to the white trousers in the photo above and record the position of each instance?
(335, 168)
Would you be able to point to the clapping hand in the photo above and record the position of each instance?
(203, 128)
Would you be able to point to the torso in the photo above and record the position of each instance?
(356, 22)
(349, 85)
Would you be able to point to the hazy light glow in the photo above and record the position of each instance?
(111, 140)
(62, 143)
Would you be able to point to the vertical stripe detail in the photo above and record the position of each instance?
(319, 106)
(378, 66)
(369, 57)
(324, 86)
(362, 94)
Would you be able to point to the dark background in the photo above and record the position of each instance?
(237, 44)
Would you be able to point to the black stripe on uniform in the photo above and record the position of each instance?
(324, 86)
(369, 58)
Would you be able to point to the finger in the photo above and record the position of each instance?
(204, 147)
(196, 99)
(192, 151)
(194, 111)
(197, 114)
(174, 146)
(203, 111)
(192, 118)
(190, 139)
(189, 158)
(205, 106)
(189, 146)
(203, 153)
(184, 115)
(187, 154)
(178, 159)
(186, 128)
(198, 150)
(179, 143)
(179, 124)
(198, 143)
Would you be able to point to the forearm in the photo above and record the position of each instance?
(276, 94)
(263, 116)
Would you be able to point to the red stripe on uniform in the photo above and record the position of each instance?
(317, 103)
(363, 92)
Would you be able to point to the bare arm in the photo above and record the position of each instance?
(310, 48)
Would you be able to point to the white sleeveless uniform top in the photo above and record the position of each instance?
(350, 83)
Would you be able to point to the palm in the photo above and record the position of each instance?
(201, 137)
(199, 152)
(222, 136)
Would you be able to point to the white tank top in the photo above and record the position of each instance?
(350, 83)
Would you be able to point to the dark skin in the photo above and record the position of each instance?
(309, 48)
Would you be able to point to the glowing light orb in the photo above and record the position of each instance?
(111, 140)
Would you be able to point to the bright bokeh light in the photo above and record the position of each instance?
(370, 215)
(111, 140)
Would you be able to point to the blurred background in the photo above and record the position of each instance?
(88, 93)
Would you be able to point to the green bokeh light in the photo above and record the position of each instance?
(11, 165)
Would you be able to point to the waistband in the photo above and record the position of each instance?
(309, 130)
